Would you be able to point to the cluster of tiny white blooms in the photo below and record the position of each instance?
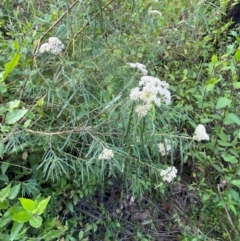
(200, 133)
(168, 174)
(150, 91)
(54, 45)
(106, 154)
(155, 11)
(141, 67)
(44, 48)
(164, 148)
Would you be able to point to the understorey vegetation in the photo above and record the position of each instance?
(120, 120)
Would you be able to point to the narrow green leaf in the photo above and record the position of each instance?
(223, 102)
(15, 115)
(10, 66)
(2, 150)
(5, 192)
(15, 230)
(36, 222)
(229, 158)
(231, 118)
(22, 217)
(14, 191)
(42, 205)
(28, 204)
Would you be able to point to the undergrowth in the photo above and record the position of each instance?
(123, 155)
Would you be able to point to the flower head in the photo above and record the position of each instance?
(106, 154)
(168, 174)
(165, 147)
(141, 67)
(54, 45)
(44, 48)
(200, 133)
(150, 91)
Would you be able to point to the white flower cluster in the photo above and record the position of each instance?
(106, 154)
(168, 174)
(141, 67)
(164, 148)
(150, 91)
(54, 45)
(200, 133)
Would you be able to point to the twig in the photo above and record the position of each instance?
(16, 165)
(78, 129)
(228, 216)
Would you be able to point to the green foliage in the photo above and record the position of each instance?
(59, 112)
(15, 218)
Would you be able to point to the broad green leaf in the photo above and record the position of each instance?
(223, 102)
(42, 205)
(14, 191)
(28, 204)
(36, 222)
(236, 183)
(80, 235)
(14, 104)
(70, 207)
(214, 59)
(15, 115)
(212, 81)
(236, 85)
(10, 66)
(233, 209)
(231, 118)
(210, 87)
(15, 230)
(3, 87)
(41, 101)
(5, 192)
(89, 65)
(4, 167)
(1, 150)
(4, 178)
(229, 158)
(4, 204)
(22, 217)
(237, 55)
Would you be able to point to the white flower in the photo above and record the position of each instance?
(135, 93)
(141, 67)
(155, 11)
(168, 174)
(106, 154)
(200, 133)
(142, 110)
(44, 48)
(54, 45)
(165, 147)
(150, 91)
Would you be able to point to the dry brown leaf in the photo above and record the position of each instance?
(141, 216)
